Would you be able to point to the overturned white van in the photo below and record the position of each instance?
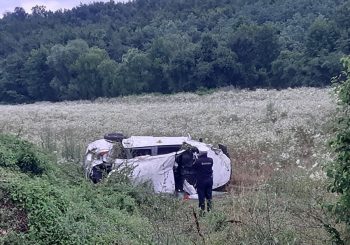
(151, 159)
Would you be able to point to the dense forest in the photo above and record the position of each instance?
(166, 46)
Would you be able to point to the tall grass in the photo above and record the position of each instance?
(240, 119)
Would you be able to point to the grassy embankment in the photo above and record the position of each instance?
(277, 140)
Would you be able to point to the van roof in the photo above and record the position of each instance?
(144, 141)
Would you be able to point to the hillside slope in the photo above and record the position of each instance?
(112, 49)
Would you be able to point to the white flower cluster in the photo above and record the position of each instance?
(278, 126)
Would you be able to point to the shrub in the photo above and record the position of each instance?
(339, 171)
(45, 204)
(22, 155)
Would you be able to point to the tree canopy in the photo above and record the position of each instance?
(111, 49)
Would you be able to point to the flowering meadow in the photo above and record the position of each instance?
(257, 116)
(260, 127)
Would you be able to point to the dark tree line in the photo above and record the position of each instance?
(166, 46)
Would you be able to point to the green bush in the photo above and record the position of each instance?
(45, 204)
(22, 155)
(339, 170)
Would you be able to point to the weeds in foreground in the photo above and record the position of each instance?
(61, 207)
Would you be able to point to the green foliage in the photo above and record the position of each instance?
(135, 71)
(81, 72)
(21, 155)
(45, 205)
(61, 207)
(343, 90)
(322, 37)
(339, 171)
(39, 75)
(112, 49)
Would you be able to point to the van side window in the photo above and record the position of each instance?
(141, 152)
(168, 149)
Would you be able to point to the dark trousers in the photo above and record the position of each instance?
(204, 190)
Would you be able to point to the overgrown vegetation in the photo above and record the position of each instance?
(165, 46)
(58, 206)
(339, 170)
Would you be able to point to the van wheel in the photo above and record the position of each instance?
(115, 137)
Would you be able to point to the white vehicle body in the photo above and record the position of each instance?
(153, 159)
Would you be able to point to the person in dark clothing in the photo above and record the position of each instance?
(184, 170)
(204, 174)
(187, 170)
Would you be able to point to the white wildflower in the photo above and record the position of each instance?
(235, 118)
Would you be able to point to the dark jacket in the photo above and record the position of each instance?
(204, 168)
(185, 162)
